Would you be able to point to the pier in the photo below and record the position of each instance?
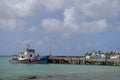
(82, 60)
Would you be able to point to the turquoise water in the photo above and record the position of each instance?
(88, 72)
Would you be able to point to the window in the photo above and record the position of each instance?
(30, 55)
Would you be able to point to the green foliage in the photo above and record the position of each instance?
(107, 54)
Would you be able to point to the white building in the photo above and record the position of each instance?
(115, 57)
(87, 57)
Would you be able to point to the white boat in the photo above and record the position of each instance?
(29, 56)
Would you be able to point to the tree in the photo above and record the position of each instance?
(87, 53)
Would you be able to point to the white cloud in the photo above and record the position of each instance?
(16, 8)
(53, 5)
(91, 8)
(80, 16)
(100, 9)
(13, 12)
(52, 25)
(32, 29)
(93, 26)
(10, 24)
(29, 8)
(73, 23)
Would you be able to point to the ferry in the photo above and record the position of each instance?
(29, 56)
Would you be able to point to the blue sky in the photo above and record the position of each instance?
(69, 27)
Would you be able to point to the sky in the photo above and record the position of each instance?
(59, 27)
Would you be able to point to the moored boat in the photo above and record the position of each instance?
(29, 56)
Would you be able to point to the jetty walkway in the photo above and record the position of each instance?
(82, 60)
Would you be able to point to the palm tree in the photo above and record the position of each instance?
(87, 53)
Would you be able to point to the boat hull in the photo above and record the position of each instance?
(38, 60)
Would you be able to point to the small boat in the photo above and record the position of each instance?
(29, 56)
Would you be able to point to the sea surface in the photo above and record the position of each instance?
(58, 71)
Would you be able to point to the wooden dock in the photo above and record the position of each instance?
(81, 60)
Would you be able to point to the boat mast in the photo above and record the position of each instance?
(28, 46)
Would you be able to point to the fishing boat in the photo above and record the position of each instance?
(29, 56)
